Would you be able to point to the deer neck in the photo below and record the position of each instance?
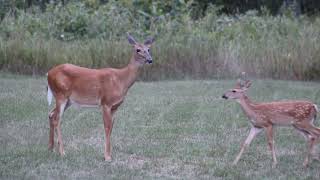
(129, 74)
(247, 106)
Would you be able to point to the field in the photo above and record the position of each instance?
(167, 130)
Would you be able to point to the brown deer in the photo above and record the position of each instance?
(103, 88)
(299, 114)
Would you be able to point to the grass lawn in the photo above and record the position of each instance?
(167, 130)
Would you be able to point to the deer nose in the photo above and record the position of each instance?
(224, 96)
(149, 61)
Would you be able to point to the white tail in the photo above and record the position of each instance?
(49, 95)
(316, 107)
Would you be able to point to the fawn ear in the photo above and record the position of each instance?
(247, 84)
(149, 41)
(243, 82)
(238, 84)
(131, 39)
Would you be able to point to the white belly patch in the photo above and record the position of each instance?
(80, 105)
(84, 101)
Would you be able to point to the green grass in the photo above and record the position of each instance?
(168, 130)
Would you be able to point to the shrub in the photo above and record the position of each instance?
(215, 46)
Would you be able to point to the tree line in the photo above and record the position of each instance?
(197, 8)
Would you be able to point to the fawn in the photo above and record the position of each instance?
(299, 114)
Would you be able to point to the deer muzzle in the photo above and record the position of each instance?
(149, 61)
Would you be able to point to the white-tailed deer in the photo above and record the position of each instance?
(299, 114)
(103, 88)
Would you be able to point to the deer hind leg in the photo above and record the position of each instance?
(61, 110)
(52, 117)
(311, 143)
(253, 132)
(270, 139)
(316, 131)
(313, 139)
(308, 130)
(55, 124)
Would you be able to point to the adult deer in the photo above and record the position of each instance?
(104, 88)
(299, 114)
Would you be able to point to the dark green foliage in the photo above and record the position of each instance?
(198, 7)
(92, 34)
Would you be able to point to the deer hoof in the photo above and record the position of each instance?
(62, 153)
(107, 159)
(274, 165)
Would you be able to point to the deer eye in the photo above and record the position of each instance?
(138, 50)
(148, 50)
(234, 91)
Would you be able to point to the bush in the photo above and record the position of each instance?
(215, 46)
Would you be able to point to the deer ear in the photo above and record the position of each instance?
(247, 84)
(131, 39)
(149, 41)
(243, 82)
(238, 84)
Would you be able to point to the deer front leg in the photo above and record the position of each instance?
(253, 132)
(308, 131)
(270, 139)
(107, 120)
(61, 148)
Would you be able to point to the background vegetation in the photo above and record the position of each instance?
(194, 39)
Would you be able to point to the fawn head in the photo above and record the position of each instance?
(238, 91)
(141, 52)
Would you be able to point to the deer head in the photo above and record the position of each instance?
(141, 52)
(240, 88)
